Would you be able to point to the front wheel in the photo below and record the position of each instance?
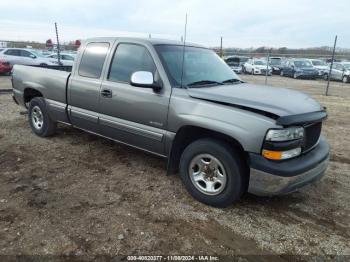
(39, 119)
(212, 172)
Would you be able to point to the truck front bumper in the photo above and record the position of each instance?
(277, 178)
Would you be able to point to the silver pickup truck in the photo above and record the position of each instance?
(182, 102)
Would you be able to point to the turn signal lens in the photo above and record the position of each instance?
(280, 155)
(273, 155)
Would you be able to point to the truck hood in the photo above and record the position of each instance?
(277, 101)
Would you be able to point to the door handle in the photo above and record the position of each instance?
(106, 93)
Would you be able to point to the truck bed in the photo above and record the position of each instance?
(50, 83)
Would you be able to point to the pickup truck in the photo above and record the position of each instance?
(183, 103)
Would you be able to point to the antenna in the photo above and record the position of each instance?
(183, 52)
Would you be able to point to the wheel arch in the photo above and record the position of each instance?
(29, 93)
(189, 133)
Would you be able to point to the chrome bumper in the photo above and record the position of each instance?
(265, 184)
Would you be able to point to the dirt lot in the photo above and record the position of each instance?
(78, 194)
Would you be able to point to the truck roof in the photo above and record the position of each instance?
(152, 41)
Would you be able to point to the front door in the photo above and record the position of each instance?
(134, 115)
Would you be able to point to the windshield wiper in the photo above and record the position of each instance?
(203, 83)
(232, 80)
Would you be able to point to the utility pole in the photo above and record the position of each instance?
(267, 66)
(58, 46)
(331, 67)
(221, 54)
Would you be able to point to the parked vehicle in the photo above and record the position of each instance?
(236, 62)
(5, 67)
(299, 68)
(276, 65)
(21, 56)
(321, 66)
(256, 67)
(340, 72)
(65, 59)
(225, 136)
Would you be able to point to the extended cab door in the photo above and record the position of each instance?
(134, 115)
(84, 85)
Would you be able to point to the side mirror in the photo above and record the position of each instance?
(32, 56)
(144, 79)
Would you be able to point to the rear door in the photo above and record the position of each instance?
(134, 115)
(84, 86)
(13, 56)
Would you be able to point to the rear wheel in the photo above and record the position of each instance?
(39, 119)
(212, 172)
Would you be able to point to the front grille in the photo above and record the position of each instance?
(312, 135)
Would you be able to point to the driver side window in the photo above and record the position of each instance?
(25, 53)
(128, 59)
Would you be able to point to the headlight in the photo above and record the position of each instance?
(281, 144)
(285, 134)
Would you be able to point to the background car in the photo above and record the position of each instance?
(22, 56)
(299, 68)
(5, 67)
(321, 66)
(340, 71)
(276, 64)
(256, 67)
(65, 59)
(236, 62)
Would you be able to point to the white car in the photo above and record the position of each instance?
(256, 67)
(321, 66)
(66, 59)
(23, 56)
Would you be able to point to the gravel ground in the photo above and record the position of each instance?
(78, 194)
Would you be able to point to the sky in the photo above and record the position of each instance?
(247, 23)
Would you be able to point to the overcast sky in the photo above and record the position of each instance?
(247, 23)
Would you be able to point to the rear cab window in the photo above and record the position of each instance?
(92, 61)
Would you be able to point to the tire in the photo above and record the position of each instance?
(39, 119)
(345, 79)
(325, 77)
(225, 164)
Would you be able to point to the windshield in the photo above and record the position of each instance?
(200, 64)
(275, 61)
(318, 63)
(302, 63)
(259, 62)
(37, 53)
(347, 65)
